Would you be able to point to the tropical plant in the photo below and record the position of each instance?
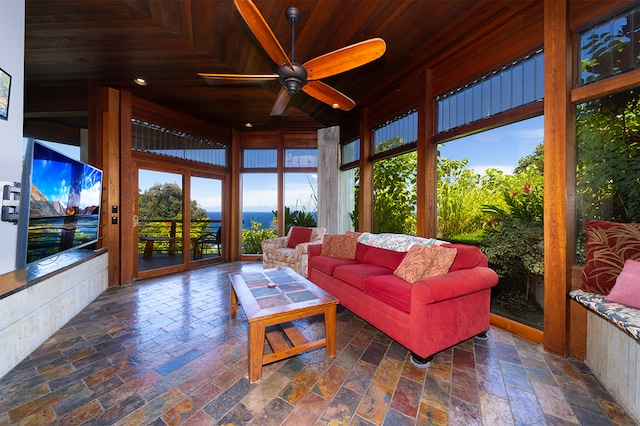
(252, 238)
(461, 194)
(514, 245)
(608, 169)
(296, 218)
(394, 193)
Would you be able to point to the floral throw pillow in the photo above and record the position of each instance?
(442, 262)
(609, 245)
(425, 261)
(340, 246)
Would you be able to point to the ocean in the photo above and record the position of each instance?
(265, 218)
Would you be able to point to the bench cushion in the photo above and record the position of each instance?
(626, 318)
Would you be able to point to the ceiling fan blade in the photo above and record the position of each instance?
(263, 33)
(281, 102)
(328, 95)
(239, 77)
(345, 59)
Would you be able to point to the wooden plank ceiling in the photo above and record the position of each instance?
(71, 44)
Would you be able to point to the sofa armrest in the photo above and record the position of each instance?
(452, 285)
(303, 248)
(314, 249)
(274, 244)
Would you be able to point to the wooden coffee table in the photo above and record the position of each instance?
(271, 299)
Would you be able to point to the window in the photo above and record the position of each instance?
(158, 140)
(399, 131)
(610, 48)
(517, 84)
(260, 159)
(395, 175)
(300, 158)
(350, 152)
(260, 192)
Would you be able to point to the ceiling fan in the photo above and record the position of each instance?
(294, 76)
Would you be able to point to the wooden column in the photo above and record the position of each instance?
(365, 202)
(234, 227)
(559, 143)
(104, 134)
(128, 208)
(427, 173)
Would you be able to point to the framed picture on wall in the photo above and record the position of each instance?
(5, 88)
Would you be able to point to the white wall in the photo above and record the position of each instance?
(11, 61)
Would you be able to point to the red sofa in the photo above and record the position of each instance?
(427, 316)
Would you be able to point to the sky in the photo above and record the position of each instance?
(500, 148)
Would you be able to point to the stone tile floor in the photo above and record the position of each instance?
(166, 351)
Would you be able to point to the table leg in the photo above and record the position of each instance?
(330, 328)
(256, 350)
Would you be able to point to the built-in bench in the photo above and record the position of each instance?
(613, 347)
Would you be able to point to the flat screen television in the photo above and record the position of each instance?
(59, 204)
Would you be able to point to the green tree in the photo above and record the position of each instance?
(160, 213)
(164, 201)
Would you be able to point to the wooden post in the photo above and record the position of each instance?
(559, 147)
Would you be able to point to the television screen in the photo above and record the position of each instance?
(64, 198)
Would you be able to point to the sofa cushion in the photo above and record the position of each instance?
(609, 245)
(627, 287)
(327, 264)
(391, 290)
(356, 273)
(467, 257)
(381, 257)
(340, 246)
(299, 234)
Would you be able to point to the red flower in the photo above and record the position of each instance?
(527, 188)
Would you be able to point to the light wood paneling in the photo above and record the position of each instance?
(614, 357)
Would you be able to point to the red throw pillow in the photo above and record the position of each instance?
(609, 245)
(299, 234)
(627, 287)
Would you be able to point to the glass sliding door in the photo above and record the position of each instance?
(206, 219)
(160, 225)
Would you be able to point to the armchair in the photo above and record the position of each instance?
(279, 251)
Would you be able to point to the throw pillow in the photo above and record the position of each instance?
(340, 246)
(442, 261)
(627, 287)
(609, 245)
(299, 234)
(416, 263)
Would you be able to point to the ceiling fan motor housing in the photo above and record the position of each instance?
(292, 79)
